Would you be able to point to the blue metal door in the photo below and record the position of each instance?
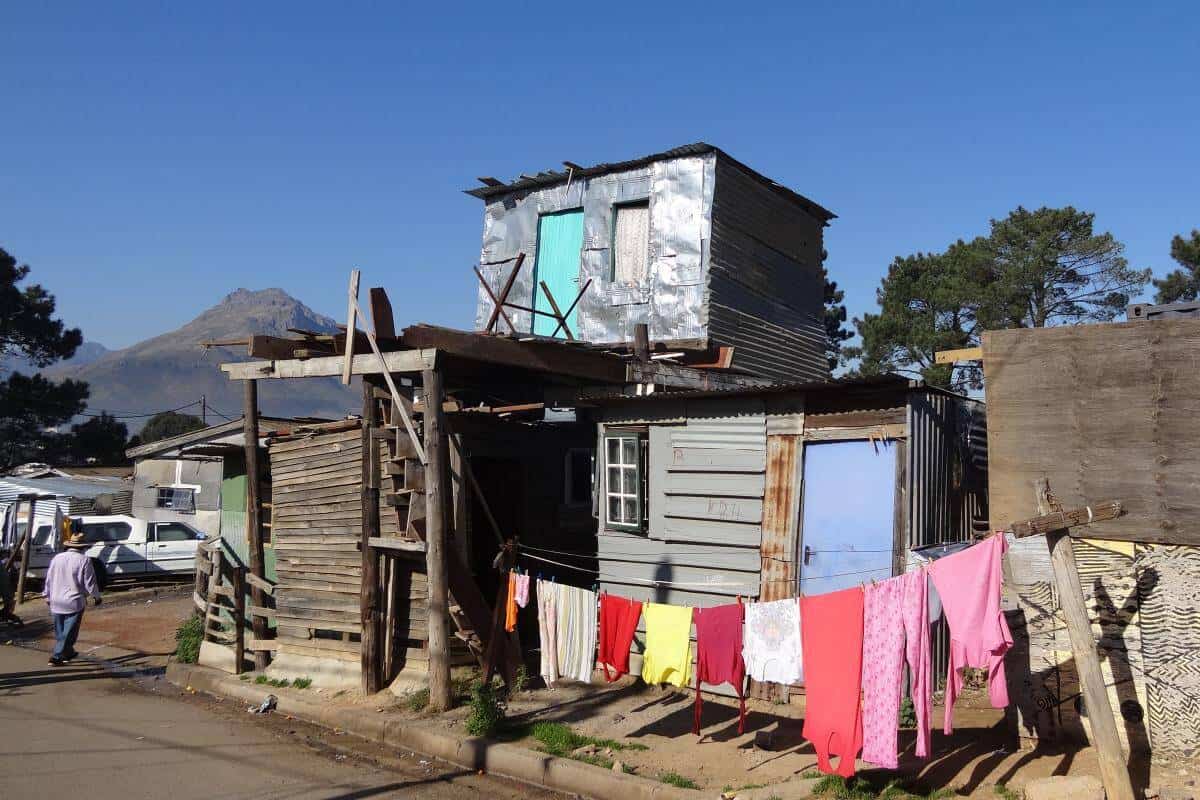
(849, 497)
(559, 249)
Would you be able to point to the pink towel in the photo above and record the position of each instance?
(969, 585)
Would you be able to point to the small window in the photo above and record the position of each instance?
(41, 538)
(578, 490)
(631, 243)
(106, 532)
(623, 485)
(174, 532)
(177, 499)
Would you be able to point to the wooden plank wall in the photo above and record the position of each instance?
(315, 528)
(1104, 412)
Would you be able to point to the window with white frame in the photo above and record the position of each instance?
(624, 484)
(631, 243)
(177, 498)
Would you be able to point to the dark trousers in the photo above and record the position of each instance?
(66, 629)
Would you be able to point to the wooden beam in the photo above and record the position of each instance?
(238, 580)
(474, 484)
(503, 298)
(25, 541)
(954, 356)
(351, 327)
(1113, 771)
(382, 318)
(558, 315)
(369, 612)
(402, 361)
(435, 542)
(574, 303)
(254, 538)
(538, 356)
(641, 342)
(1062, 520)
(496, 303)
(398, 401)
(397, 545)
(265, 586)
(260, 346)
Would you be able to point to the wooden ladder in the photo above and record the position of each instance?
(403, 492)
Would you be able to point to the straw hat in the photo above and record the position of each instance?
(75, 539)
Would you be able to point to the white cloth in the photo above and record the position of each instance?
(56, 532)
(576, 633)
(547, 601)
(771, 642)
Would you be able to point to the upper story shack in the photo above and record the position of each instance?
(694, 244)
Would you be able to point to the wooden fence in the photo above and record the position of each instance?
(222, 584)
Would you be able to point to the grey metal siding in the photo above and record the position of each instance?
(765, 287)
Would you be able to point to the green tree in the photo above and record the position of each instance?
(836, 331)
(100, 440)
(1034, 269)
(927, 302)
(1183, 284)
(168, 424)
(31, 407)
(1050, 267)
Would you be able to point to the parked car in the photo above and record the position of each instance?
(124, 546)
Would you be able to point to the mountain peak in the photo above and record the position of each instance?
(252, 297)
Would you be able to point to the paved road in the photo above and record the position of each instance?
(76, 731)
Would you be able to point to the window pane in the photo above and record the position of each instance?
(614, 509)
(631, 243)
(630, 508)
(630, 486)
(174, 532)
(629, 451)
(614, 479)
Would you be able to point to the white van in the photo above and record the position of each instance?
(124, 546)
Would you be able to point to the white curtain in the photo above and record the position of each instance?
(631, 244)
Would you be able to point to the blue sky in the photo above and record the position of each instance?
(155, 157)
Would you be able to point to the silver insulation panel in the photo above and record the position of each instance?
(672, 299)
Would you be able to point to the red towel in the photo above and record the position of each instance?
(831, 627)
(618, 620)
(719, 654)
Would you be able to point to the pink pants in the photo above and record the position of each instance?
(895, 627)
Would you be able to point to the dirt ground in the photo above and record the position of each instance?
(972, 761)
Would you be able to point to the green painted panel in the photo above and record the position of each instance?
(559, 249)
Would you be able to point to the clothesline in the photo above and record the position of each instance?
(691, 551)
(702, 584)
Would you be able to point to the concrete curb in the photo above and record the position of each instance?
(496, 758)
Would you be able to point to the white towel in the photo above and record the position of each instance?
(576, 633)
(771, 642)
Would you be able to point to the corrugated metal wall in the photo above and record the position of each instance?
(705, 516)
(947, 481)
(766, 288)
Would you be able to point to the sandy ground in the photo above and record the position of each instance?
(978, 756)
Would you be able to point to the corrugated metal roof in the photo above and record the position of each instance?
(233, 429)
(874, 382)
(553, 177)
(62, 487)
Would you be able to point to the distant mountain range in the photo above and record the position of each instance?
(172, 369)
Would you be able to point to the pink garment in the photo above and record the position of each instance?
(522, 589)
(969, 585)
(895, 611)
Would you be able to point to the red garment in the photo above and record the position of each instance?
(618, 620)
(719, 654)
(831, 627)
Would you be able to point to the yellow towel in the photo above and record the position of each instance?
(668, 656)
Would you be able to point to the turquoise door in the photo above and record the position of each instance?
(849, 502)
(559, 245)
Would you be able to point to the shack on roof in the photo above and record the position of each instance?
(702, 249)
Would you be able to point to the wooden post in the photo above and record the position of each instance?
(254, 539)
(641, 342)
(435, 540)
(369, 594)
(459, 500)
(351, 327)
(1113, 770)
(239, 620)
(25, 540)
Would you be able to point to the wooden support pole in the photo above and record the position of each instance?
(351, 326)
(558, 315)
(435, 540)
(503, 298)
(254, 537)
(239, 620)
(369, 593)
(25, 540)
(1113, 770)
(571, 308)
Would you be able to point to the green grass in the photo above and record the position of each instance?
(811, 775)
(838, 788)
(243, 677)
(558, 739)
(261, 679)
(675, 779)
(187, 639)
(729, 787)
(301, 683)
(460, 692)
(1004, 792)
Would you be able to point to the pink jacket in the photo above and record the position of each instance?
(969, 585)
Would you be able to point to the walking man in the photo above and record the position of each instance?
(70, 579)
